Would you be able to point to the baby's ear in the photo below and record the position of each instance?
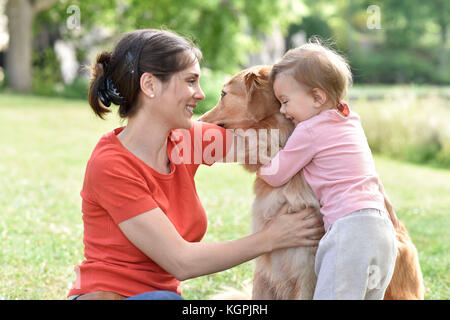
(319, 96)
(261, 101)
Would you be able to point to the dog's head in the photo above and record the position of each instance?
(248, 102)
(247, 99)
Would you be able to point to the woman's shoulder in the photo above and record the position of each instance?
(108, 154)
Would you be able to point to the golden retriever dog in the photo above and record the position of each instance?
(248, 103)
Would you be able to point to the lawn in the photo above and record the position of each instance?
(46, 143)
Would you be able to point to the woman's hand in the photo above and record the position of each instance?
(303, 228)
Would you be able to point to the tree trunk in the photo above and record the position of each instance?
(20, 15)
(18, 56)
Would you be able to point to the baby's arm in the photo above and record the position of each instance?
(388, 205)
(296, 154)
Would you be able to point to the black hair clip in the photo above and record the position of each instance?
(130, 62)
(109, 93)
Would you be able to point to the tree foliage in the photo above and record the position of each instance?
(411, 45)
(225, 30)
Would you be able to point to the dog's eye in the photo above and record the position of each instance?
(223, 94)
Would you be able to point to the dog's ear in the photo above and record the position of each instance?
(261, 101)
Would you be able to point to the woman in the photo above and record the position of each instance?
(143, 220)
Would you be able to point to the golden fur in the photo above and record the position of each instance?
(249, 103)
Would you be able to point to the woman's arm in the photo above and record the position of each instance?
(153, 233)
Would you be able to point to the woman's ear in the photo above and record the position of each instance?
(319, 97)
(148, 83)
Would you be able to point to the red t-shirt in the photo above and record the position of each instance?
(118, 186)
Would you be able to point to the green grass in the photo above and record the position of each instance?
(45, 146)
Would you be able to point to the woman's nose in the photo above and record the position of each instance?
(199, 95)
(283, 109)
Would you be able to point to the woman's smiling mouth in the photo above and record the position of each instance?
(190, 109)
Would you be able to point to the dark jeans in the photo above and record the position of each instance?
(156, 295)
(151, 295)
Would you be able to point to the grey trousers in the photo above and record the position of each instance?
(356, 257)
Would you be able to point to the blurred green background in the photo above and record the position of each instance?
(399, 54)
(398, 49)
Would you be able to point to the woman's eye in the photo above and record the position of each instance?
(284, 102)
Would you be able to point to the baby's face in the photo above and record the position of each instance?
(297, 103)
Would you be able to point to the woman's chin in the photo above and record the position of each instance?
(187, 124)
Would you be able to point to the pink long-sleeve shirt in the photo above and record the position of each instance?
(337, 163)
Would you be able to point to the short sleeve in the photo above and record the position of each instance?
(118, 187)
(204, 143)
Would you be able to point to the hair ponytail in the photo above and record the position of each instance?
(98, 71)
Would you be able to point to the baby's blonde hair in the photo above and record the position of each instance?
(316, 66)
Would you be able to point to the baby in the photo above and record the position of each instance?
(356, 257)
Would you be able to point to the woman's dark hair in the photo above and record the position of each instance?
(115, 76)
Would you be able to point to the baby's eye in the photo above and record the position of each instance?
(223, 94)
